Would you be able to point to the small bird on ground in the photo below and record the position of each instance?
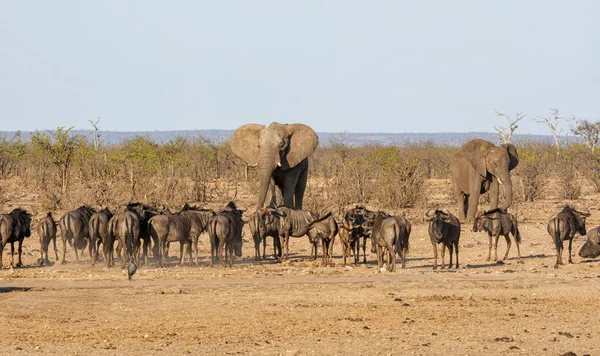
(132, 268)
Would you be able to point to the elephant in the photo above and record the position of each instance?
(480, 166)
(281, 153)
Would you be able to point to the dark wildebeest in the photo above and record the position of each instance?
(390, 233)
(129, 228)
(47, 233)
(225, 231)
(351, 231)
(98, 228)
(323, 229)
(14, 227)
(259, 232)
(591, 248)
(74, 228)
(184, 227)
(498, 222)
(291, 222)
(444, 228)
(564, 226)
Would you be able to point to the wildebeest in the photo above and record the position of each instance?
(184, 227)
(98, 230)
(444, 228)
(47, 233)
(591, 248)
(323, 229)
(352, 231)
(74, 228)
(14, 227)
(498, 222)
(128, 228)
(291, 222)
(259, 232)
(390, 233)
(225, 231)
(564, 226)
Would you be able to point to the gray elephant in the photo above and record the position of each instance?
(477, 167)
(281, 152)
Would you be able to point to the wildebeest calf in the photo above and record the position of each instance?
(497, 222)
(259, 231)
(352, 231)
(323, 229)
(444, 228)
(564, 226)
(47, 233)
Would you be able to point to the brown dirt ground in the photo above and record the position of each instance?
(300, 307)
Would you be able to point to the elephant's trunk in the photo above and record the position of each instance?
(508, 190)
(267, 165)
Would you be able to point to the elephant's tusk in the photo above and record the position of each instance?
(278, 164)
(500, 181)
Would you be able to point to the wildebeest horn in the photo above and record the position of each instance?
(429, 214)
(445, 212)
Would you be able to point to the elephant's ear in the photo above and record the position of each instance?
(244, 143)
(477, 160)
(513, 155)
(303, 142)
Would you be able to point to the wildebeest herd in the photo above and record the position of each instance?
(280, 152)
(139, 229)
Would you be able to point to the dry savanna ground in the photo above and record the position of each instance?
(299, 307)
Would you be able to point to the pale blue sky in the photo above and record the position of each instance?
(360, 66)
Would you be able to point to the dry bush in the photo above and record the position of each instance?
(531, 172)
(567, 164)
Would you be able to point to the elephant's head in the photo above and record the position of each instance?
(493, 163)
(277, 146)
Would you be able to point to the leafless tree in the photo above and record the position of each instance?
(97, 133)
(553, 122)
(506, 133)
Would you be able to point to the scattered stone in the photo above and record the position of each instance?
(505, 339)
(406, 305)
(570, 353)
(397, 299)
(366, 327)
(172, 290)
(567, 334)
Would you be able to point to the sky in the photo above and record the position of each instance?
(357, 66)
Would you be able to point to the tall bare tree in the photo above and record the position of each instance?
(506, 133)
(97, 133)
(553, 123)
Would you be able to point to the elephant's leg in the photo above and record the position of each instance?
(494, 192)
(301, 185)
(463, 205)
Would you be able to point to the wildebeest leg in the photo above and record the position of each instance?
(64, 241)
(489, 257)
(195, 251)
(222, 250)
(12, 253)
(1, 252)
(183, 250)
(75, 244)
(570, 253)
(392, 257)
(379, 258)
(435, 254)
(20, 263)
(365, 249)
(450, 251)
(443, 255)
(55, 249)
(507, 238)
(42, 254)
(518, 248)
(330, 251)
(146, 249)
(456, 249)
(496, 238)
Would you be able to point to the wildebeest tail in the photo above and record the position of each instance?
(517, 235)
